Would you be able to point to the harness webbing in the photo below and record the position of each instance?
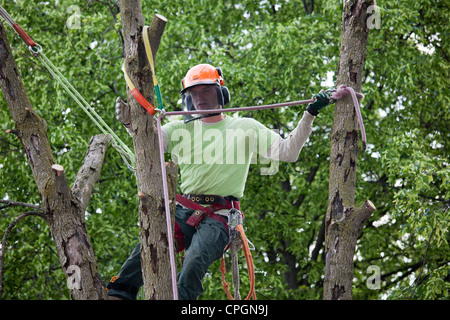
(134, 91)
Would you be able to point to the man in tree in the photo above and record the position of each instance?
(214, 152)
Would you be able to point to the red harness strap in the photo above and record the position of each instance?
(198, 215)
(201, 211)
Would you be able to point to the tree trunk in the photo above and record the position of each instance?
(344, 220)
(154, 239)
(63, 208)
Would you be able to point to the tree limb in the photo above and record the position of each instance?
(90, 170)
(18, 204)
(156, 270)
(62, 211)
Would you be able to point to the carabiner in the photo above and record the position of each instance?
(36, 50)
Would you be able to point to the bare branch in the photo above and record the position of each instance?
(89, 172)
(10, 203)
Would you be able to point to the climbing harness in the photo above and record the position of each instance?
(202, 212)
(36, 50)
(234, 227)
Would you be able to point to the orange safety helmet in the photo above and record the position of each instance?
(202, 74)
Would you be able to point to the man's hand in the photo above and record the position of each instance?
(322, 100)
(123, 112)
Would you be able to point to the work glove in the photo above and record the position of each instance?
(323, 98)
(123, 112)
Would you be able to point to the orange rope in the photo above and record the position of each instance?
(250, 267)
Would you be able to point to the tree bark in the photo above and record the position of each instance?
(344, 221)
(63, 208)
(155, 259)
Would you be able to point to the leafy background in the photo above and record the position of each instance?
(270, 51)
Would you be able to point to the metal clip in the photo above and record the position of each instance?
(234, 218)
(251, 245)
(162, 112)
(36, 50)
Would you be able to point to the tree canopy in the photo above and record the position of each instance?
(270, 51)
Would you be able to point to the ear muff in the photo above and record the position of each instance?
(226, 95)
(219, 72)
(223, 96)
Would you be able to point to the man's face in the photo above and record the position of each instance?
(204, 97)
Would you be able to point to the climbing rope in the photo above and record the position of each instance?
(344, 90)
(250, 266)
(126, 154)
(36, 50)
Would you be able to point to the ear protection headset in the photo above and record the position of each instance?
(223, 97)
(204, 74)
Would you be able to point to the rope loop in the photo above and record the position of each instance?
(345, 90)
(250, 267)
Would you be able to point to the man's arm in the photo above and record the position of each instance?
(288, 149)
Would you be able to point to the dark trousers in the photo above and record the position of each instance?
(204, 245)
